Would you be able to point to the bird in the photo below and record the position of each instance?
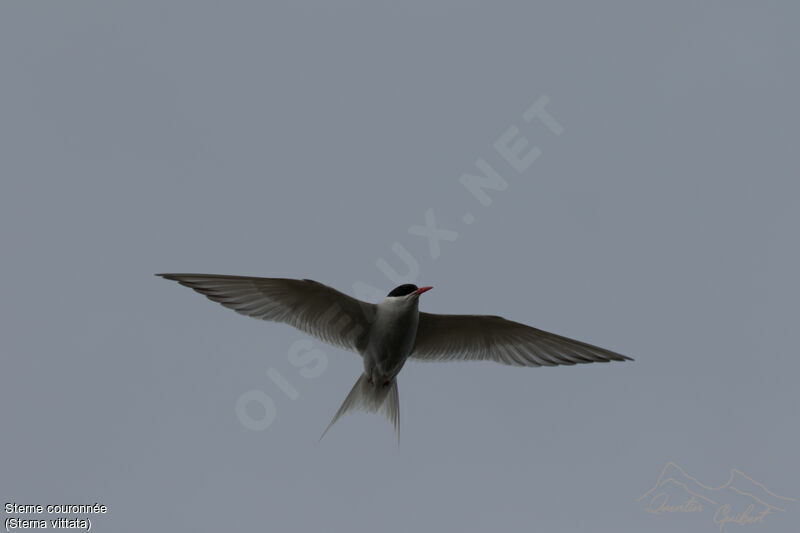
(390, 332)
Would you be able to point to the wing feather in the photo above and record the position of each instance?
(493, 338)
(307, 305)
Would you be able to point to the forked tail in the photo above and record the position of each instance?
(364, 396)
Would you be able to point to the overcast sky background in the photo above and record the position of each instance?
(303, 141)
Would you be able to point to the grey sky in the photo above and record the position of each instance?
(292, 141)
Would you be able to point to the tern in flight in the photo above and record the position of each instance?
(388, 333)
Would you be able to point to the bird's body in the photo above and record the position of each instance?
(390, 332)
(391, 338)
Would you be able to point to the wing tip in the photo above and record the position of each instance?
(175, 277)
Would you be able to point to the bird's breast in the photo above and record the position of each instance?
(390, 342)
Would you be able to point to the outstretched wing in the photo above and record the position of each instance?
(309, 306)
(493, 338)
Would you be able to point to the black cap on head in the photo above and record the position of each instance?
(403, 290)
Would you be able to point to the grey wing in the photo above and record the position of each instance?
(493, 338)
(309, 306)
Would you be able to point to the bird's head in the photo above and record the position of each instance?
(406, 293)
